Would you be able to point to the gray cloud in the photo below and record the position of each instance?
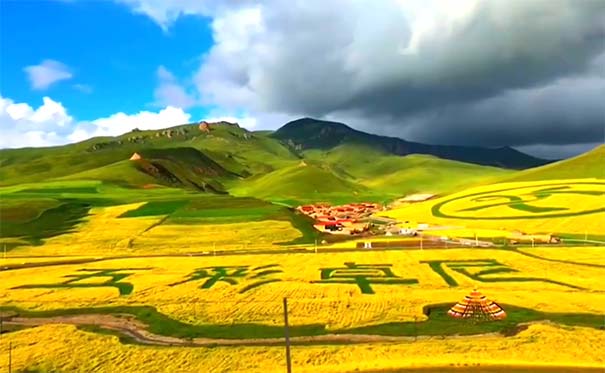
(477, 72)
(491, 73)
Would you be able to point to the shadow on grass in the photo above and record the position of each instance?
(437, 324)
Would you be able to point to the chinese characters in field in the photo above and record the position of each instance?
(363, 275)
(233, 275)
(482, 270)
(114, 279)
(244, 278)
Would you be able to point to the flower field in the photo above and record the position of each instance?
(108, 232)
(159, 257)
(326, 289)
(63, 348)
(552, 206)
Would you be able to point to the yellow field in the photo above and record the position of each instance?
(340, 290)
(566, 206)
(104, 233)
(337, 305)
(580, 254)
(63, 348)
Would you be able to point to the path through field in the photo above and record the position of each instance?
(130, 327)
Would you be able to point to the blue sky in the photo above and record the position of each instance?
(112, 53)
(465, 72)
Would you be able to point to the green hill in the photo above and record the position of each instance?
(304, 180)
(588, 165)
(176, 167)
(222, 157)
(397, 175)
(227, 146)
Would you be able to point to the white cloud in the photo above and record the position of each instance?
(169, 92)
(22, 126)
(50, 124)
(164, 13)
(119, 123)
(47, 73)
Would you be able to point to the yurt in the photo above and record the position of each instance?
(477, 307)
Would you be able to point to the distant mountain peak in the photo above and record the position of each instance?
(309, 133)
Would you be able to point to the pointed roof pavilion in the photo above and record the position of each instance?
(477, 306)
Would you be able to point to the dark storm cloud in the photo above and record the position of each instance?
(497, 72)
(492, 72)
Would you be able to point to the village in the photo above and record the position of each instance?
(349, 219)
(360, 219)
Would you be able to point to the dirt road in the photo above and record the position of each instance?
(128, 326)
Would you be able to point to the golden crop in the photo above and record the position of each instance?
(160, 282)
(186, 238)
(105, 233)
(573, 202)
(66, 349)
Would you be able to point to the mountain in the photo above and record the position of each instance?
(235, 150)
(588, 165)
(308, 133)
(306, 160)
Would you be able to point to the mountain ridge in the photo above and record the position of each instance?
(309, 133)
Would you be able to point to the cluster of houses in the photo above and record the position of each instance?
(351, 218)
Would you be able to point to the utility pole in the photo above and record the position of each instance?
(287, 335)
(415, 328)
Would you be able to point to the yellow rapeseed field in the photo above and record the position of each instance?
(105, 233)
(63, 348)
(187, 238)
(161, 282)
(566, 206)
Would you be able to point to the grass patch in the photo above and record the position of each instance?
(50, 223)
(155, 208)
(437, 324)
(84, 190)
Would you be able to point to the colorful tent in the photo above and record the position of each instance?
(477, 306)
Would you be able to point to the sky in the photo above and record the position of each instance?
(527, 74)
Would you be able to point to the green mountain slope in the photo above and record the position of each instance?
(403, 175)
(308, 133)
(234, 149)
(301, 181)
(588, 165)
(175, 167)
(222, 157)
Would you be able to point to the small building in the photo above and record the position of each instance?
(136, 157)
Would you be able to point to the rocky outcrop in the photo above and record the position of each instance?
(204, 126)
